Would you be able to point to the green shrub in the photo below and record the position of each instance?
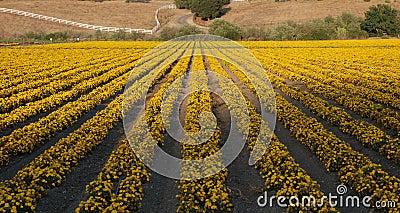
(225, 29)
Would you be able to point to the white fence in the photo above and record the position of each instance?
(89, 26)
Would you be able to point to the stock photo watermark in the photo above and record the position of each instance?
(339, 199)
(155, 62)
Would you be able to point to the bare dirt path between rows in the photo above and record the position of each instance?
(389, 166)
(311, 164)
(19, 162)
(353, 114)
(245, 182)
(303, 156)
(160, 192)
(67, 196)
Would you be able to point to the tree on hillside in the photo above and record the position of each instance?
(208, 9)
(183, 4)
(381, 19)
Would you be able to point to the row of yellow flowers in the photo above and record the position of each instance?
(41, 63)
(314, 72)
(367, 134)
(20, 194)
(141, 140)
(77, 75)
(118, 187)
(209, 194)
(31, 109)
(387, 117)
(337, 155)
(25, 139)
(153, 110)
(371, 68)
(62, 70)
(45, 172)
(154, 69)
(281, 173)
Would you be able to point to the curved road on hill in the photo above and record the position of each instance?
(188, 20)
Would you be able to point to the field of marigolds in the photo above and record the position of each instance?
(337, 135)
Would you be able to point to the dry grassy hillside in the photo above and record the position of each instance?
(107, 13)
(262, 13)
(265, 13)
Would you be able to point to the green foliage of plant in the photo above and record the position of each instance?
(208, 9)
(183, 4)
(225, 29)
(381, 19)
(345, 26)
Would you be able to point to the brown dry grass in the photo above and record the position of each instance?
(12, 26)
(265, 13)
(107, 13)
(261, 13)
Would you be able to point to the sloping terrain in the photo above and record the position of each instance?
(264, 13)
(108, 13)
(260, 13)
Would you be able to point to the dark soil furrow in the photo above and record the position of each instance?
(244, 180)
(353, 114)
(44, 114)
(20, 161)
(67, 196)
(328, 181)
(389, 166)
(302, 155)
(160, 192)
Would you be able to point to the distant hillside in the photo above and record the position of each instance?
(265, 13)
(107, 13)
(118, 13)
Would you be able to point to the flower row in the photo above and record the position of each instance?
(337, 155)
(49, 169)
(31, 109)
(363, 67)
(38, 64)
(367, 134)
(119, 184)
(32, 80)
(208, 194)
(385, 116)
(77, 75)
(281, 173)
(314, 72)
(25, 139)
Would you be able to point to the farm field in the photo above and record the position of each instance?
(63, 146)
